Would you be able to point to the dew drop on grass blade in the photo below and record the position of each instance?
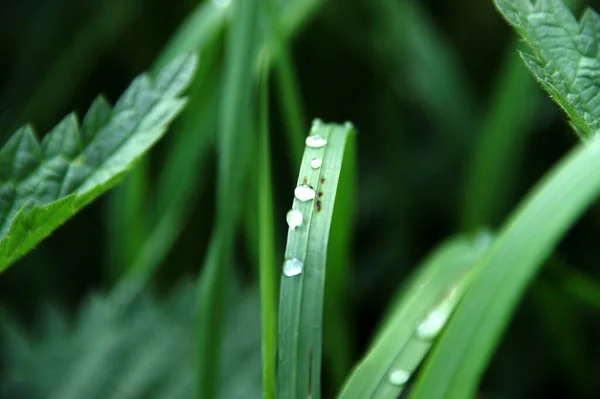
(414, 320)
(303, 269)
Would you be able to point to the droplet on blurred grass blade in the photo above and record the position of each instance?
(294, 218)
(292, 267)
(304, 192)
(316, 141)
(398, 377)
(433, 324)
(316, 163)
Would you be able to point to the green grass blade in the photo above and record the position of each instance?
(268, 276)
(44, 184)
(289, 92)
(339, 337)
(502, 275)
(434, 289)
(232, 146)
(303, 280)
(432, 70)
(498, 150)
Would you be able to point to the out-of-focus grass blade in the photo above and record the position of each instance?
(526, 240)
(139, 250)
(287, 83)
(303, 280)
(232, 151)
(266, 244)
(76, 61)
(497, 152)
(194, 136)
(416, 316)
(431, 68)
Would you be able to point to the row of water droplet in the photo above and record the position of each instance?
(303, 192)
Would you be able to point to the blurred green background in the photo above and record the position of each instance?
(453, 131)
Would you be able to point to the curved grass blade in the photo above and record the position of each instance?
(194, 136)
(44, 184)
(498, 150)
(268, 276)
(502, 275)
(303, 280)
(338, 335)
(415, 318)
(233, 143)
(287, 82)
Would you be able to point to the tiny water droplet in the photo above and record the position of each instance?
(483, 239)
(221, 3)
(316, 163)
(398, 377)
(433, 324)
(349, 125)
(304, 192)
(292, 267)
(294, 218)
(316, 141)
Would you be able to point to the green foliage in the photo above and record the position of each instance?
(566, 56)
(44, 184)
(144, 350)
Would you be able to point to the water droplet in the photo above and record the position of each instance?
(316, 141)
(433, 324)
(316, 163)
(349, 125)
(483, 239)
(221, 3)
(304, 192)
(292, 267)
(294, 218)
(398, 377)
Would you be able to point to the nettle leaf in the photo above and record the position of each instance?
(144, 350)
(44, 184)
(566, 56)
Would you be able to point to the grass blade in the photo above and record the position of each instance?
(498, 150)
(339, 339)
(289, 93)
(302, 284)
(268, 276)
(232, 146)
(398, 350)
(502, 275)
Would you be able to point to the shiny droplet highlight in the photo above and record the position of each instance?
(398, 377)
(316, 163)
(316, 141)
(294, 218)
(292, 267)
(304, 192)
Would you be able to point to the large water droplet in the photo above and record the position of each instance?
(433, 324)
(316, 141)
(304, 192)
(316, 163)
(294, 218)
(292, 267)
(399, 377)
